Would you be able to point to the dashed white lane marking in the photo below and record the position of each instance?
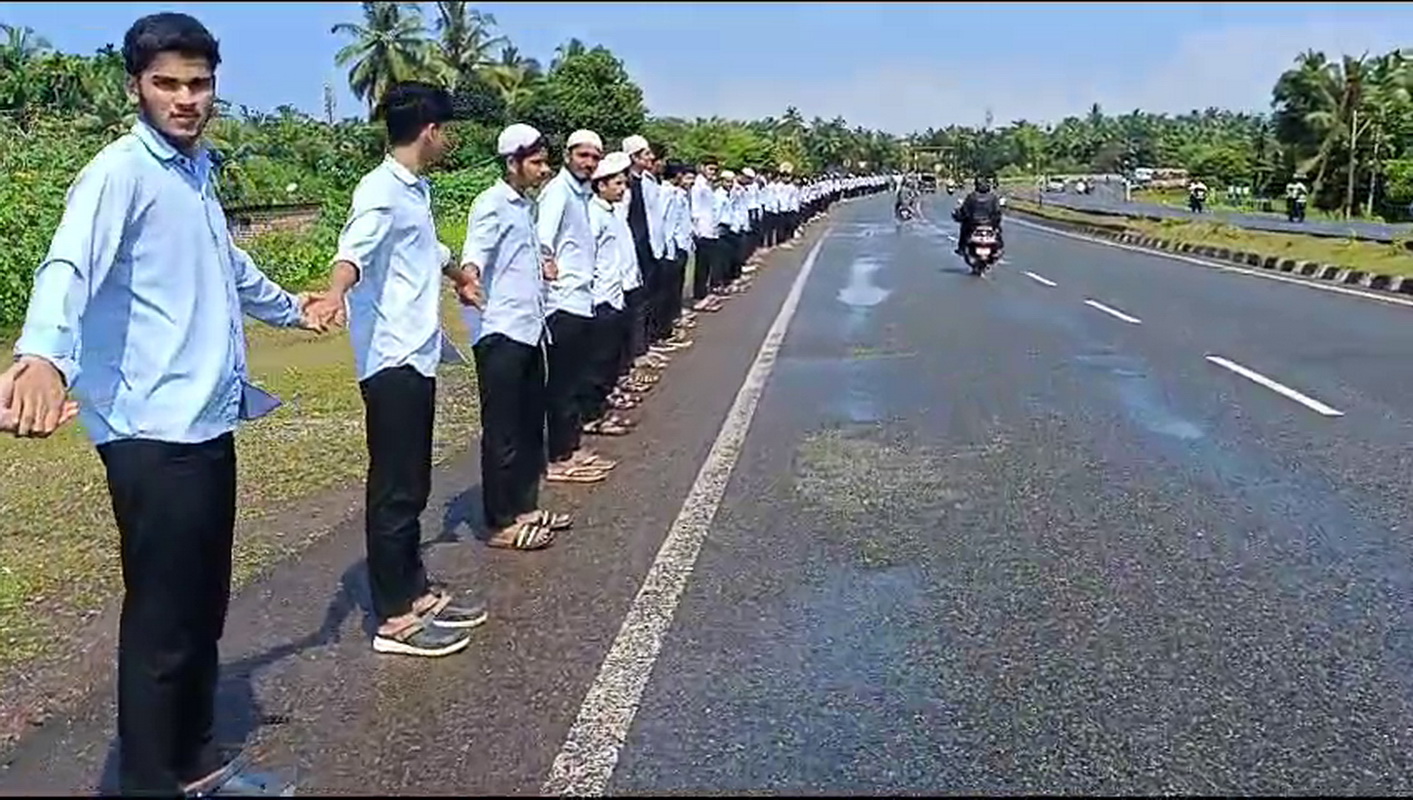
(1257, 273)
(1040, 280)
(591, 750)
(1113, 312)
(1278, 388)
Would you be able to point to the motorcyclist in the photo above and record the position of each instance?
(1297, 194)
(981, 207)
(906, 197)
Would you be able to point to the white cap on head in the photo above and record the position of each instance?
(584, 136)
(611, 165)
(515, 138)
(634, 145)
(748, 172)
(728, 175)
(786, 167)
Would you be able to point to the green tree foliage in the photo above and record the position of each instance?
(588, 88)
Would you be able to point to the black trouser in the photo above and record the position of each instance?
(720, 260)
(635, 343)
(175, 509)
(604, 359)
(669, 298)
(567, 355)
(399, 406)
(646, 316)
(705, 260)
(743, 251)
(755, 234)
(510, 377)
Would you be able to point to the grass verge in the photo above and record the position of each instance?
(58, 544)
(1374, 257)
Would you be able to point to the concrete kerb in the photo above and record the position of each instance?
(1380, 282)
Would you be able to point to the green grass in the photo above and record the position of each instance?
(1375, 257)
(58, 554)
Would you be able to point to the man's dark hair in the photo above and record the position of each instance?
(167, 32)
(540, 145)
(711, 161)
(676, 169)
(410, 106)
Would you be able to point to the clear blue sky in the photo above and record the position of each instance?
(898, 67)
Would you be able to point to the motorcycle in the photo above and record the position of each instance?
(982, 249)
(1295, 209)
(1196, 202)
(904, 213)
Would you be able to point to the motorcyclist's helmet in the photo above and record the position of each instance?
(982, 185)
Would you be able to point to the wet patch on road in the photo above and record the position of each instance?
(888, 496)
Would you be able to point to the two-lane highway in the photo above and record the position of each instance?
(1082, 525)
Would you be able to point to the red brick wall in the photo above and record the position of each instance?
(252, 221)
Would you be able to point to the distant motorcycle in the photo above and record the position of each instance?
(1196, 202)
(982, 249)
(1295, 209)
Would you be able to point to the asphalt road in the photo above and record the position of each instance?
(1112, 202)
(1006, 535)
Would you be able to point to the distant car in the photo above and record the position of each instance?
(928, 183)
(1055, 185)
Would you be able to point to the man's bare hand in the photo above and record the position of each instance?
(469, 293)
(32, 399)
(550, 269)
(320, 312)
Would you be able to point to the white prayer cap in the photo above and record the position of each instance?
(611, 165)
(748, 172)
(728, 175)
(634, 145)
(786, 167)
(584, 136)
(515, 138)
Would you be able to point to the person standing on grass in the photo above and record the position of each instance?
(137, 309)
(389, 266)
(614, 261)
(706, 232)
(508, 268)
(563, 226)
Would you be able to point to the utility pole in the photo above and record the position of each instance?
(329, 103)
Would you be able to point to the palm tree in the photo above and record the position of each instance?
(20, 45)
(514, 76)
(571, 48)
(390, 46)
(465, 41)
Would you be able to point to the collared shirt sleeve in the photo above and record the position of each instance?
(551, 213)
(366, 230)
(261, 297)
(84, 248)
(482, 234)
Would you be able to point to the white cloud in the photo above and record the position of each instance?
(1230, 68)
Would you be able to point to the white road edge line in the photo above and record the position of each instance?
(1038, 279)
(1255, 273)
(1113, 312)
(590, 752)
(1278, 388)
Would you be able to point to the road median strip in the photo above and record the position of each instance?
(1185, 238)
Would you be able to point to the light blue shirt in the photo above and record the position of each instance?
(563, 224)
(737, 213)
(679, 217)
(501, 241)
(139, 300)
(614, 255)
(394, 310)
(703, 208)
